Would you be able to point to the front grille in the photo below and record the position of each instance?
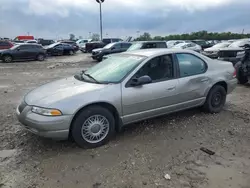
(22, 106)
(227, 54)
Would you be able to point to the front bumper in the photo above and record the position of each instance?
(50, 127)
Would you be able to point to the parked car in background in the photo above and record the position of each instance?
(83, 41)
(31, 41)
(147, 45)
(24, 37)
(23, 52)
(45, 42)
(123, 89)
(100, 44)
(72, 43)
(212, 52)
(4, 44)
(188, 46)
(204, 44)
(117, 47)
(234, 52)
(60, 49)
(243, 67)
(172, 43)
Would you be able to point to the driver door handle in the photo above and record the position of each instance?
(204, 80)
(171, 88)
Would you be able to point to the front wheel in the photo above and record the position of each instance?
(7, 59)
(93, 127)
(71, 52)
(240, 76)
(216, 99)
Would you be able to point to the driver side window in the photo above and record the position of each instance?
(158, 69)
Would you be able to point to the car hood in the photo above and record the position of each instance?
(98, 50)
(4, 50)
(211, 49)
(53, 92)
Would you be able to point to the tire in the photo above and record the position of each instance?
(71, 52)
(241, 78)
(82, 124)
(7, 58)
(40, 57)
(99, 59)
(216, 99)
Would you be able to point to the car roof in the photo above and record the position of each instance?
(158, 51)
(151, 41)
(24, 44)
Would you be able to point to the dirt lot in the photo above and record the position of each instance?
(140, 156)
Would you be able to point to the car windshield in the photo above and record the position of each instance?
(113, 69)
(179, 45)
(221, 45)
(53, 45)
(135, 46)
(238, 43)
(14, 47)
(108, 46)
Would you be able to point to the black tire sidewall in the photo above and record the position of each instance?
(208, 104)
(80, 119)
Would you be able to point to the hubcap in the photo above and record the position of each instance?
(40, 57)
(216, 99)
(71, 53)
(95, 129)
(7, 59)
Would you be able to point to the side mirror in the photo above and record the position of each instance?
(18, 49)
(141, 81)
(113, 48)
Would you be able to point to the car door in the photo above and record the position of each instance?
(58, 49)
(23, 52)
(193, 79)
(141, 102)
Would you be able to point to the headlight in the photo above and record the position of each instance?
(46, 111)
(241, 53)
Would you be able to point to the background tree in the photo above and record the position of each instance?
(95, 37)
(80, 37)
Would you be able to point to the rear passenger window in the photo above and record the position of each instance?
(149, 45)
(190, 65)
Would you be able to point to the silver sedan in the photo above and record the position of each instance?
(125, 88)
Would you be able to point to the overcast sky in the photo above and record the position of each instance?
(59, 18)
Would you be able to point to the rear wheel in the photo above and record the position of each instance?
(7, 59)
(93, 127)
(216, 99)
(41, 57)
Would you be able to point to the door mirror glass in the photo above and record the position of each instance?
(141, 81)
(18, 49)
(113, 48)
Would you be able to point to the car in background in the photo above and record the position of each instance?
(89, 46)
(125, 88)
(147, 45)
(111, 48)
(23, 52)
(4, 44)
(83, 41)
(234, 52)
(188, 46)
(172, 43)
(72, 43)
(60, 49)
(45, 42)
(212, 52)
(24, 37)
(204, 44)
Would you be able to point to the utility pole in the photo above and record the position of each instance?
(100, 3)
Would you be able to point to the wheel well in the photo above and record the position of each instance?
(7, 55)
(108, 106)
(223, 84)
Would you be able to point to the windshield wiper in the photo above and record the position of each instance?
(88, 75)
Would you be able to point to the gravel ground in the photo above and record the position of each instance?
(140, 156)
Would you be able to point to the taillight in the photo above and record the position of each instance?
(234, 75)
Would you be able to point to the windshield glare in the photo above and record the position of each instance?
(135, 46)
(108, 46)
(114, 68)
